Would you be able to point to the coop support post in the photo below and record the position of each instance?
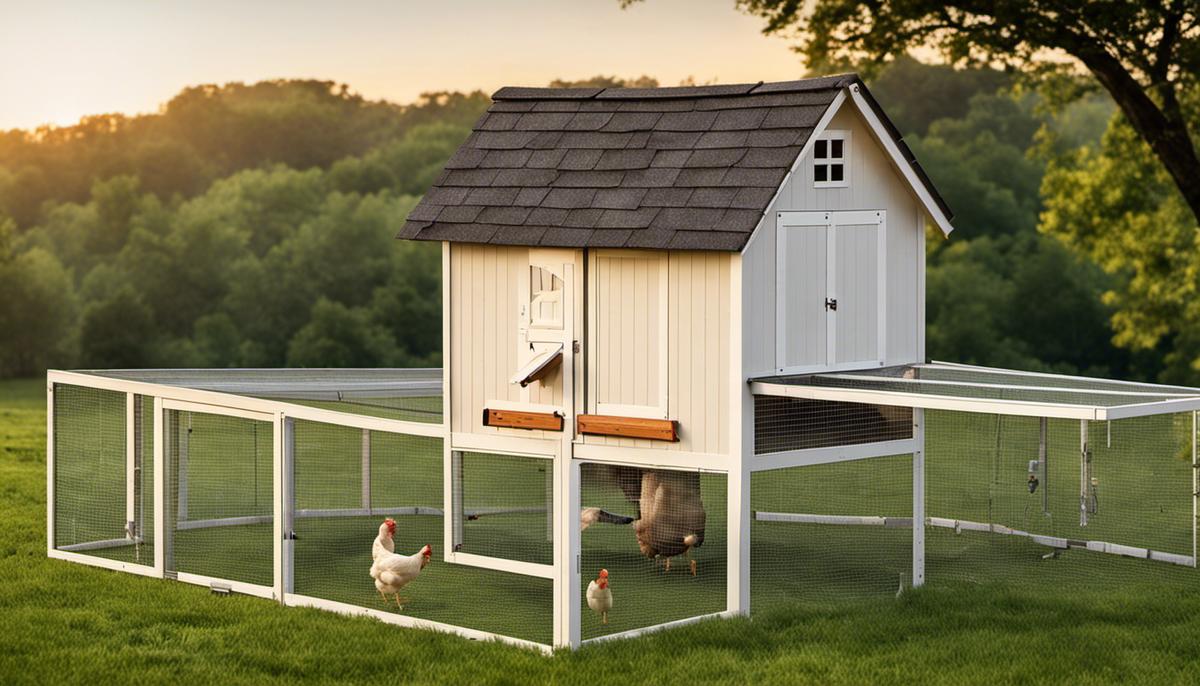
(918, 465)
(1195, 480)
(562, 485)
(567, 604)
(366, 470)
(162, 544)
(737, 480)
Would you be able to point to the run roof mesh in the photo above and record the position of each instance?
(408, 394)
(986, 389)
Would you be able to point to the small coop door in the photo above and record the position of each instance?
(830, 280)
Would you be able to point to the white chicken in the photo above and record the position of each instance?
(393, 572)
(599, 596)
(385, 542)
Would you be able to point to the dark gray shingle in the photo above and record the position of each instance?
(689, 168)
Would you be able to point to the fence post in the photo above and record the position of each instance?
(282, 472)
(50, 495)
(162, 544)
(918, 464)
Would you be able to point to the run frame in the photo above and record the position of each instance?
(281, 415)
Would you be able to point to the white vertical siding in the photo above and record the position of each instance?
(629, 343)
(696, 326)
(485, 351)
(874, 185)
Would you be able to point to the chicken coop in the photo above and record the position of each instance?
(683, 364)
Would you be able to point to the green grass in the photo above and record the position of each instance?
(1002, 616)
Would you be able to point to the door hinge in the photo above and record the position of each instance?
(831, 304)
(575, 347)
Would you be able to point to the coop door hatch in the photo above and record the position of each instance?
(544, 360)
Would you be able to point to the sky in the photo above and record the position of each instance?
(61, 60)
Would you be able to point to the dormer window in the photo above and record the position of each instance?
(831, 152)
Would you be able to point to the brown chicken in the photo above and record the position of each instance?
(671, 517)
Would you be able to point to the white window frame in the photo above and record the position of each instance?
(829, 136)
(829, 221)
(660, 410)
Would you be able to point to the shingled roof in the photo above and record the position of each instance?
(678, 168)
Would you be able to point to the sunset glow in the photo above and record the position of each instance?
(68, 59)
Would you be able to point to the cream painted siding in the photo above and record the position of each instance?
(484, 340)
(697, 346)
(629, 345)
(874, 185)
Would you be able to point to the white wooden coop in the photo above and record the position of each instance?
(683, 341)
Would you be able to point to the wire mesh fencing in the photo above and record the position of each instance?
(219, 508)
(782, 423)
(660, 538)
(831, 532)
(99, 495)
(366, 505)
(1019, 500)
(504, 506)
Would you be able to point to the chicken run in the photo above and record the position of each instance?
(286, 490)
(684, 377)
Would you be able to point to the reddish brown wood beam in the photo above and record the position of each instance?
(628, 427)
(515, 419)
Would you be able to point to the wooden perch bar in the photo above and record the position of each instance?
(515, 419)
(629, 427)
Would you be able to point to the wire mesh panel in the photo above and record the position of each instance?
(102, 503)
(425, 408)
(831, 532)
(506, 506)
(348, 483)
(660, 536)
(220, 491)
(1025, 500)
(782, 423)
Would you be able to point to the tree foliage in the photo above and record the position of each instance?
(1146, 55)
(208, 132)
(1116, 204)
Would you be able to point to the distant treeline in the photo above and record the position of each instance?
(252, 225)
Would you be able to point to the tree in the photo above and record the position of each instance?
(1117, 205)
(36, 311)
(339, 336)
(1145, 54)
(117, 332)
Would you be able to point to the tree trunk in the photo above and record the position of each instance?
(1168, 137)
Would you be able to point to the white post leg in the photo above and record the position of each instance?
(918, 464)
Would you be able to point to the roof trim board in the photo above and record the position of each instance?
(888, 138)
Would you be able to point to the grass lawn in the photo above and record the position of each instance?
(1084, 618)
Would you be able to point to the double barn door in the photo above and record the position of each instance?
(830, 290)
